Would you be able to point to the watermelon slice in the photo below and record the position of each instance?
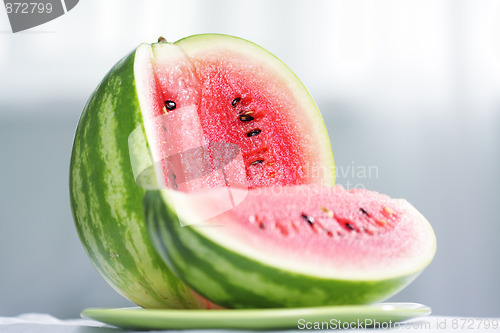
(291, 246)
(206, 111)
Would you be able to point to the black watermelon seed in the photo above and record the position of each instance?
(349, 226)
(362, 210)
(170, 105)
(254, 132)
(235, 101)
(308, 218)
(245, 117)
(262, 225)
(256, 162)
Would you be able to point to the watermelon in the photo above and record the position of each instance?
(294, 246)
(214, 102)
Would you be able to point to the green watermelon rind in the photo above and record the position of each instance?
(106, 202)
(234, 279)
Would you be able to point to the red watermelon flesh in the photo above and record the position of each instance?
(334, 229)
(220, 93)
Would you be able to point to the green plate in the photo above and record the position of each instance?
(346, 316)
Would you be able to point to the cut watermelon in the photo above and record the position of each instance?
(291, 246)
(200, 96)
(242, 95)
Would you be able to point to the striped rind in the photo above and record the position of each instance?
(234, 280)
(106, 202)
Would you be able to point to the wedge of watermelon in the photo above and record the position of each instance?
(162, 101)
(291, 246)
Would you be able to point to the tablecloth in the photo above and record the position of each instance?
(44, 323)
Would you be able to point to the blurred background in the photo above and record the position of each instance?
(409, 88)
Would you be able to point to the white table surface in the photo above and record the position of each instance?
(44, 323)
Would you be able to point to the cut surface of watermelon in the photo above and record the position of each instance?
(259, 105)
